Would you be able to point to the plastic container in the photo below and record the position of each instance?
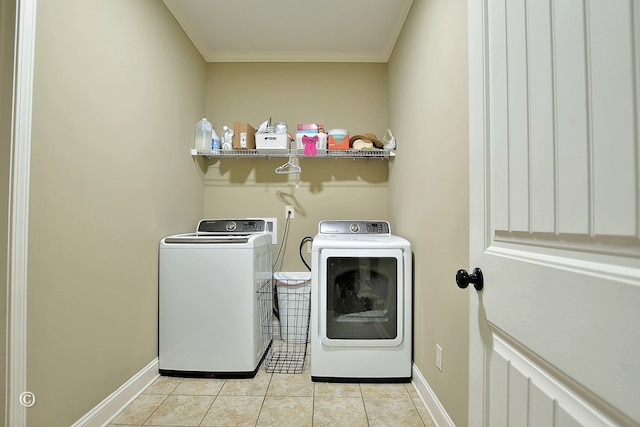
(203, 135)
(270, 141)
(294, 292)
(338, 139)
(320, 145)
(281, 128)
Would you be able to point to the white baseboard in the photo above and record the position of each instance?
(106, 410)
(435, 408)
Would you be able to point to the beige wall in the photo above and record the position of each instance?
(7, 39)
(428, 185)
(118, 88)
(338, 95)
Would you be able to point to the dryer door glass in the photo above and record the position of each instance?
(361, 298)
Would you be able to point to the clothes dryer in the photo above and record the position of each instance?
(361, 303)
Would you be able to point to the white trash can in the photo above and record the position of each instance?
(294, 294)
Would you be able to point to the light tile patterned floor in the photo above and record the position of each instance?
(273, 400)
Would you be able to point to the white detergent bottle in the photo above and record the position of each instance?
(204, 134)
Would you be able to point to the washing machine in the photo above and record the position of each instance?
(215, 298)
(361, 303)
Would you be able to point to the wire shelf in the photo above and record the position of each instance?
(275, 153)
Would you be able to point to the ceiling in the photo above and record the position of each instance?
(292, 30)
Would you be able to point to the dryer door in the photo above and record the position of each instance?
(361, 297)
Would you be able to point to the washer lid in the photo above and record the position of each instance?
(228, 241)
(199, 239)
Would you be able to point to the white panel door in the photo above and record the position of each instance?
(554, 92)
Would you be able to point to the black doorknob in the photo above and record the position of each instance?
(463, 279)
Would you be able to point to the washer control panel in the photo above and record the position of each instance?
(238, 227)
(354, 227)
(235, 226)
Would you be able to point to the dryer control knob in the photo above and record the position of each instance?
(354, 228)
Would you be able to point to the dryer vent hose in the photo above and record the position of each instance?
(305, 240)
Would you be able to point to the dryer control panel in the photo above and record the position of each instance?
(354, 227)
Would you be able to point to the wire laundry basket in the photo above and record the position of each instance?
(289, 328)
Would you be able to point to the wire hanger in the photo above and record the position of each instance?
(288, 168)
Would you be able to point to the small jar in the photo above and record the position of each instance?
(281, 128)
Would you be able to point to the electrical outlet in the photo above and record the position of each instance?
(289, 212)
(439, 357)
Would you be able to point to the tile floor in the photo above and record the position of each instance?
(273, 400)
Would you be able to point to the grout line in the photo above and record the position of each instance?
(264, 398)
(364, 405)
(157, 407)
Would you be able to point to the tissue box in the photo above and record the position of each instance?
(244, 135)
(320, 145)
(266, 141)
